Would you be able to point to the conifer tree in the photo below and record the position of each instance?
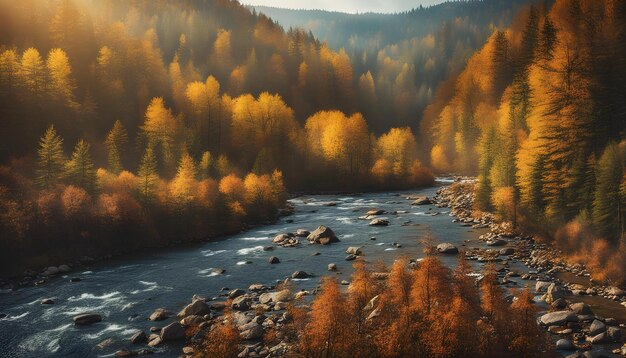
(80, 169)
(51, 158)
(147, 175)
(606, 203)
(114, 142)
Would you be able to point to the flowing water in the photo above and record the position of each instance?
(126, 291)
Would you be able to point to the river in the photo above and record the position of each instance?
(126, 291)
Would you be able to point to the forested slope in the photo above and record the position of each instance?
(539, 114)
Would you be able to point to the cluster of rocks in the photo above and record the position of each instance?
(575, 325)
(322, 235)
(373, 217)
(254, 312)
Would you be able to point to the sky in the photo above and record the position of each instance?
(350, 6)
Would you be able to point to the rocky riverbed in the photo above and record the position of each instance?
(167, 302)
(565, 292)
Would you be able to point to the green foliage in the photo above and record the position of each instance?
(80, 169)
(51, 159)
(147, 175)
(114, 143)
(606, 203)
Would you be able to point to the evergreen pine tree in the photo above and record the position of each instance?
(51, 158)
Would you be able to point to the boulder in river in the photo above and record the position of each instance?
(332, 267)
(160, 314)
(507, 251)
(300, 275)
(86, 319)
(139, 337)
(558, 318)
(323, 235)
(375, 212)
(379, 222)
(421, 200)
(274, 260)
(47, 301)
(447, 248)
(195, 308)
(353, 250)
(172, 332)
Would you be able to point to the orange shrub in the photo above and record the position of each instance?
(233, 187)
(76, 202)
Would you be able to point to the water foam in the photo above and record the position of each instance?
(249, 250)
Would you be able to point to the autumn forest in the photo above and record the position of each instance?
(128, 125)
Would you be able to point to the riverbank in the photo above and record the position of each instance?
(37, 271)
(252, 268)
(591, 317)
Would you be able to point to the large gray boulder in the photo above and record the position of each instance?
(447, 248)
(195, 308)
(323, 235)
(558, 318)
(172, 332)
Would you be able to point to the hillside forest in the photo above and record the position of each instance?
(144, 123)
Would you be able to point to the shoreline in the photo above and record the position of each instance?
(41, 275)
(558, 293)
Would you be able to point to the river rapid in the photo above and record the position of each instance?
(126, 291)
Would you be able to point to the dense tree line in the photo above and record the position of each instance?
(400, 60)
(170, 121)
(539, 115)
